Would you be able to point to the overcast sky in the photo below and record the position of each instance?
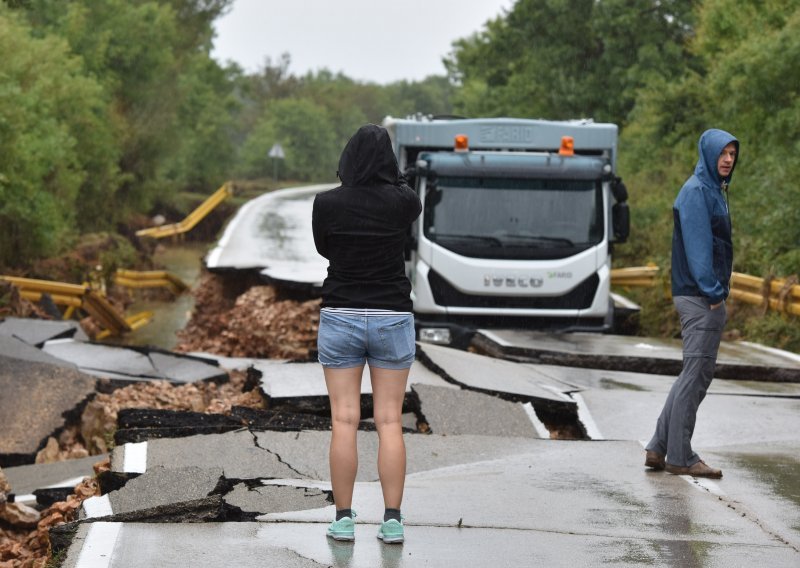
(367, 40)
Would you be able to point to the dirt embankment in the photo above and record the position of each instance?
(235, 319)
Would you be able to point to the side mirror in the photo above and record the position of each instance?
(433, 196)
(621, 222)
(619, 190)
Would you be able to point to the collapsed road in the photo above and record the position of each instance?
(484, 467)
(531, 456)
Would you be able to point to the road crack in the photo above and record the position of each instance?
(277, 456)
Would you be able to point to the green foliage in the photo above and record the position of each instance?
(56, 144)
(764, 111)
(581, 58)
(111, 107)
(306, 134)
(771, 328)
(207, 124)
(744, 79)
(313, 116)
(749, 53)
(431, 96)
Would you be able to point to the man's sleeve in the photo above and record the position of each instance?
(698, 243)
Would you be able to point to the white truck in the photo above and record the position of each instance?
(518, 223)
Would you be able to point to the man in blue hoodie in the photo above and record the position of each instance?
(702, 259)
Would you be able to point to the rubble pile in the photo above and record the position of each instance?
(68, 446)
(24, 536)
(259, 323)
(99, 418)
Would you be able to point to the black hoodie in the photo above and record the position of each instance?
(361, 227)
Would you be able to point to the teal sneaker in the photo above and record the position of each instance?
(391, 531)
(343, 529)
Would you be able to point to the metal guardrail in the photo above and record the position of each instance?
(75, 296)
(637, 276)
(779, 294)
(150, 279)
(192, 219)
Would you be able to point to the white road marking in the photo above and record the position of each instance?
(98, 507)
(98, 548)
(538, 425)
(774, 351)
(586, 418)
(135, 460)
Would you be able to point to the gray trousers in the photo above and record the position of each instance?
(701, 330)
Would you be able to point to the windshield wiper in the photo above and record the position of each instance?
(542, 239)
(494, 241)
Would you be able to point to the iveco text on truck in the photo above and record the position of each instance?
(518, 223)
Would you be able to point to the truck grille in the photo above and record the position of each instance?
(581, 297)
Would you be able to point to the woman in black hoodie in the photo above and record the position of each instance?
(366, 319)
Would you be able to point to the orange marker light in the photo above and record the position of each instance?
(567, 146)
(461, 143)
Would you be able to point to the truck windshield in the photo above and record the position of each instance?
(514, 218)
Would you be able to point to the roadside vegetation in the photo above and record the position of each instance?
(113, 111)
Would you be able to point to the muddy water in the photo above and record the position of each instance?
(185, 261)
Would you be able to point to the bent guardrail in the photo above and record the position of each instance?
(192, 219)
(150, 279)
(80, 296)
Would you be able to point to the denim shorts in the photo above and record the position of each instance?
(349, 340)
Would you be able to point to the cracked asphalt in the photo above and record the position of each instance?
(262, 498)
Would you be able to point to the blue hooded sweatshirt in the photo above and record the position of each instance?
(702, 250)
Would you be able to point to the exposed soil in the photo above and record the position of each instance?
(259, 321)
(24, 536)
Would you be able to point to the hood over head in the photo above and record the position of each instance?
(710, 147)
(368, 158)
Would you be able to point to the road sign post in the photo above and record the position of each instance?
(276, 153)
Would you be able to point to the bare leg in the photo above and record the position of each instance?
(388, 390)
(344, 389)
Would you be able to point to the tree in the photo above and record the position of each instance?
(306, 134)
(208, 124)
(433, 95)
(145, 53)
(558, 60)
(57, 143)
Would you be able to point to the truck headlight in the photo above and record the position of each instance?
(440, 335)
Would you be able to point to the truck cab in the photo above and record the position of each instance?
(518, 223)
